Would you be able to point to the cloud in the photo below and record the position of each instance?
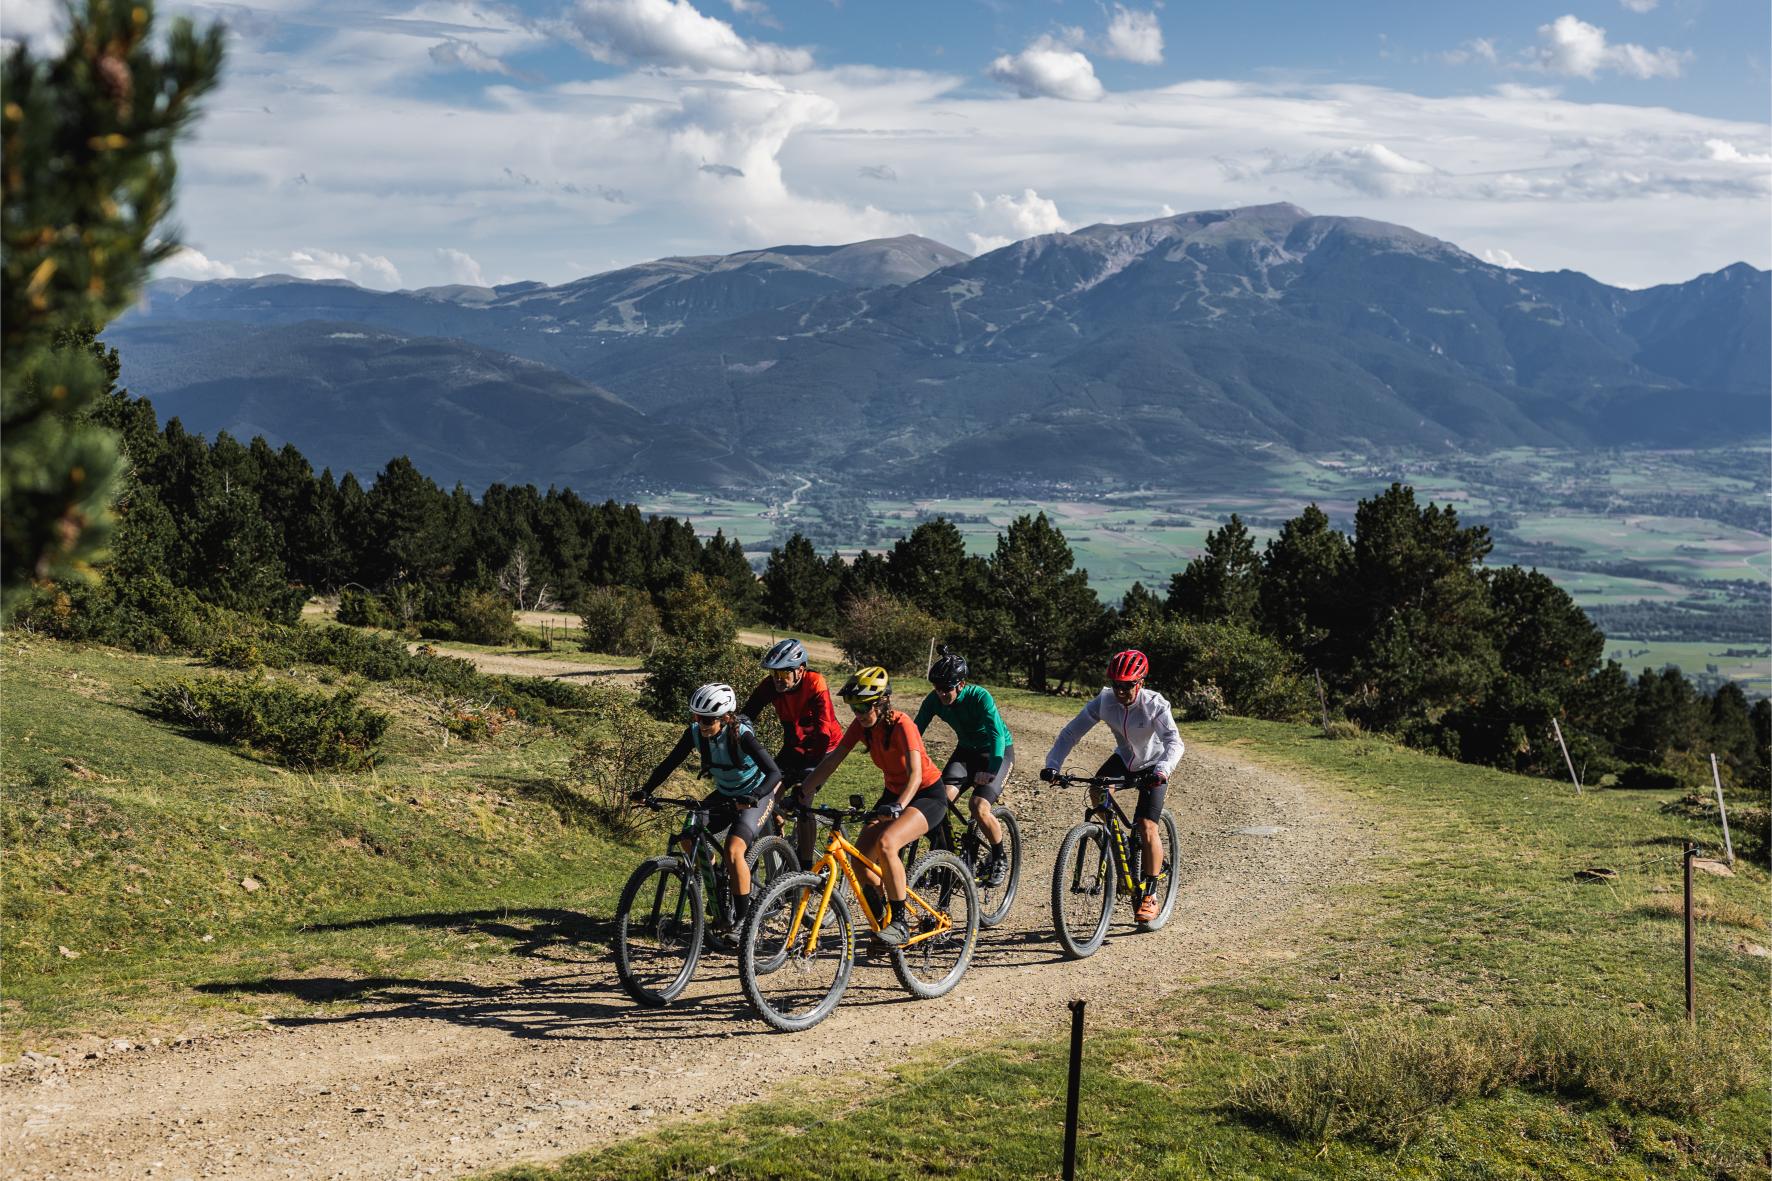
(1574, 47)
(722, 170)
(674, 33)
(876, 172)
(1047, 69)
(1373, 169)
(36, 23)
(1005, 219)
(1134, 36)
(1639, 5)
(462, 266)
(1723, 150)
(367, 270)
(1476, 49)
(465, 55)
(1502, 258)
(189, 263)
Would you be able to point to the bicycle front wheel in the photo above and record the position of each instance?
(1083, 890)
(931, 967)
(994, 901)
(658, 932)
(793, 984)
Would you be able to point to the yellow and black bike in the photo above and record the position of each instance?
(1098, 859)
(797, 950)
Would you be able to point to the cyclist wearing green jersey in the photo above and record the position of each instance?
(984, 754)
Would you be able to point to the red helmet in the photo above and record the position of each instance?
(1129, 665)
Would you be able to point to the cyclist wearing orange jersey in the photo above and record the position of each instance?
(913, 799)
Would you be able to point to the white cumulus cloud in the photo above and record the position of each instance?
(367, 270)
(1004, 219)
(1639, 5)
(194, 264)
(674, 32)
(1048, 69)
(1723, 150)
(1572, 46)
(462, 266)
(1134, 36)
(1476, 49)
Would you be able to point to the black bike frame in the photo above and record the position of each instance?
(1118, 824)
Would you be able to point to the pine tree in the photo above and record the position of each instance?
(798, 589)
(1303, 584)
(1042, 611)
(87, 142)
(1221, 585)
(929, 567)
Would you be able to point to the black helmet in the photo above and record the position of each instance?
(948, 671)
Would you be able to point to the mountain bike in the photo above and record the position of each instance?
(974, 848)
(673, 906)
(1099, 858)
(799, 946)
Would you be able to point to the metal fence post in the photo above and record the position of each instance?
(1716, 777)
(1567, 761)
(1075, 1086)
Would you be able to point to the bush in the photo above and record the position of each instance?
(1653, 778)
(1383, 1082)
(359, 608)
(698, 647)
(615, 760)
(483, 617)
(619, 620)
(296, 727)
(1201, 703)
(880, 628)
(1258, 677)
(1344, 729)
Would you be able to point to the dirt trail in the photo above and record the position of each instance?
(433, 1078)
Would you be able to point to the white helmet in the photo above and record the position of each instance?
(713, 701)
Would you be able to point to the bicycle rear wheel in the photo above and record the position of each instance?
(931, 967)
(1083, 890)
(658, 932)
(795, 985)
(994, 901)
(769, 858)
(1166, 889)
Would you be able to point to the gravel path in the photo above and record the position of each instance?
(437, 1078)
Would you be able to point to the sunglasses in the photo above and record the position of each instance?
(1125, 686)
(784, 674)
(707, 719)
(862, 707)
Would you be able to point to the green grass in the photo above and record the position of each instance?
(128, 842)
(1467, 912)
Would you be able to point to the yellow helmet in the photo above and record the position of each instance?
(868, 684)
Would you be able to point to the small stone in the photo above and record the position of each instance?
(1753, 949)
(207, 939)
(250, 884)
(1714, 868)
(1596, 873)
(69, 953)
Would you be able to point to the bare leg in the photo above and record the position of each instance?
(987, 821)
(736, 847)
(1153, 847)
(882, 845)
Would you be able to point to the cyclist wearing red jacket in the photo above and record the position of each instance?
(802, 700)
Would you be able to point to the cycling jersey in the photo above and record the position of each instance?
(736, 761)
(974, 719)
(889, 745)
(1145, 736)
(808, 722)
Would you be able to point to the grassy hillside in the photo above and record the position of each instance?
(1471, 942)
(129, 842)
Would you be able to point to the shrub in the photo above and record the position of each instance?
(293, 725)
(880, 628)
(618, 754)
(698, 647)
(483, 617)
(1654, 778)
(1201, 703)
(618, 620)
(359, 608)
(1343, 729)
(1383, 1082)
(1258, 677)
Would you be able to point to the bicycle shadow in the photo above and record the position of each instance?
(582, 1001)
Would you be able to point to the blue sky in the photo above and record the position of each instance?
(408, 144)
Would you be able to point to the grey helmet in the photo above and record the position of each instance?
(788, 653)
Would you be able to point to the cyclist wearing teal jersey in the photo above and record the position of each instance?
(984, 753)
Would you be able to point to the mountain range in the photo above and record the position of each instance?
(1188, 348)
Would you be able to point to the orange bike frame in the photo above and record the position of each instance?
(840, 854)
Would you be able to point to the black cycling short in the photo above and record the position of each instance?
(932, 802)
(1150, 799)
(744, 815)
(967, 763)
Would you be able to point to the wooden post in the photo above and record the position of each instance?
(1691, 1008)
(1073, 1091)
(1716, 777)
(1567, 761)
(931, 663)
(1322, 702)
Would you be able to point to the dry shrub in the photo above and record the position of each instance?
(622, 747)
(1383, 1082)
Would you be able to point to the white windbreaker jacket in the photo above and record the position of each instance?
(1144, 732)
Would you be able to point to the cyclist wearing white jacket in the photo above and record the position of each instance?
(1147, 747)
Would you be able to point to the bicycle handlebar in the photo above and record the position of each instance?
(1108, 781)
(658, 802)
